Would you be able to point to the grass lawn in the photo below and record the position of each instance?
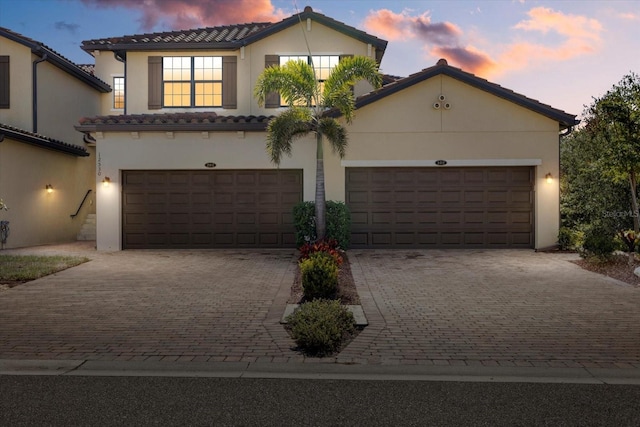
(23, 268)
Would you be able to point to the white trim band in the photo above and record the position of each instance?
(434, 163)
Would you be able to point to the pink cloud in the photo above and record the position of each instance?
(468, 58)
(183, 14)
(396, 26)
(573, 27)
(579, 35)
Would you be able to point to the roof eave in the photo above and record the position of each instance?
(295, 19)
(168, 46)
(55, 59)
(44, 143)
(171, 127)
(565, 120)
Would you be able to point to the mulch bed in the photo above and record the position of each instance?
(618, 268)
(347, 294)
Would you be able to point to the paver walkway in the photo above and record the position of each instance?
(428, 307)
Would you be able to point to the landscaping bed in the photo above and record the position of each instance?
(18, 269)
(323, 327)
(617, 267)
(347, 292)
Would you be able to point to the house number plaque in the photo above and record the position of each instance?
(210, 165)
(441, 162)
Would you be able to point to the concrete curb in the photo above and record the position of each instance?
(326, 371)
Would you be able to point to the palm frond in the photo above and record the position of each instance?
(348, 72)
(284, 129)
(335, 133)
(294, 81)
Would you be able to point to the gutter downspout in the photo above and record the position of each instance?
(34, 84)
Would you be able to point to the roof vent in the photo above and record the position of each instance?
(442, 61)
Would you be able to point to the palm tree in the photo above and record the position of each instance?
(308, 103)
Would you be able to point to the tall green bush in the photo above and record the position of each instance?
(338, 223)
(319, 276)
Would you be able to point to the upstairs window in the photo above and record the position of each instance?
(118, 93)
(322, 64)
(192, 81)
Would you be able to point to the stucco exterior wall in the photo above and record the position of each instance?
(37, 217)
(251, 61)
(106, 68)
(20, 95)
(181, 151)
(62, 101)
(479, 129)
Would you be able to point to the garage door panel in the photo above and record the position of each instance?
(358, 197)
(427, 197)
(164, 209)
(245, 198)
(441, 207)
(156, 178)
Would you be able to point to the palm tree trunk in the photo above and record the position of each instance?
(321, 224)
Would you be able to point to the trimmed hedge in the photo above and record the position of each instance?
(338, 218)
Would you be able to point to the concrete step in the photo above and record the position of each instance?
(88, 229)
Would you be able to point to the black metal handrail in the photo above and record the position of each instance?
(81, 203)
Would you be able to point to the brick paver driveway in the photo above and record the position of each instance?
(433, 307)
(495, 308)
(153, 305)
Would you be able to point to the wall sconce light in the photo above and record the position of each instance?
(106, 181)
(549, 178)
(49, 188)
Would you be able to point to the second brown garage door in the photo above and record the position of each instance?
(470, 207)
(209, 209)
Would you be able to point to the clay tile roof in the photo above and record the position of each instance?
(42, 141)
(211, 35)
(81, 72)
(173, 122)
(565, 120)
(225, 36)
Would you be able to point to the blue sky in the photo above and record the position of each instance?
(562, 53)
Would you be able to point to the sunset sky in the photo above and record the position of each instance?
(562, 53)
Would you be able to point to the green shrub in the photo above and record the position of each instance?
(567, 239)
(319, 276)
(599, 242)
(338, 218)
(339, 223)
(319, 327)
(304, 220)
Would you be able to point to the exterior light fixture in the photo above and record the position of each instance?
(549, 178)
(106, 181)
(49, 188)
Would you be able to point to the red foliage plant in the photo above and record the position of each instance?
(329, 246)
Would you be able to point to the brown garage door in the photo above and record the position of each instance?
(441, 207)
(209, 209)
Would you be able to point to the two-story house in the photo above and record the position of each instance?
(438, 159)
(46, 167)
(441, 158)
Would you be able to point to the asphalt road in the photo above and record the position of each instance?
(167, 401)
